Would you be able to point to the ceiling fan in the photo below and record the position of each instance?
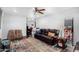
(37, 10)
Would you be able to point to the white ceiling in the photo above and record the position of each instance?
(24, 11)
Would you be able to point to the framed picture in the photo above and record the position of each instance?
(69, 30)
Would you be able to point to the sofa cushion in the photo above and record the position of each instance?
(44, 31)
(50, 34)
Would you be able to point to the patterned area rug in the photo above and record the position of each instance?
(34, 45)
(22, 46)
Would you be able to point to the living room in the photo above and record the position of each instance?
(49, 18)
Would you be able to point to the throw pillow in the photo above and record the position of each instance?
(51, 34)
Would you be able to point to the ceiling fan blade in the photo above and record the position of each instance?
(39, 10)
(42, 10)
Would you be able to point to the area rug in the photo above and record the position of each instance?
(35, 45)
(22, 46)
